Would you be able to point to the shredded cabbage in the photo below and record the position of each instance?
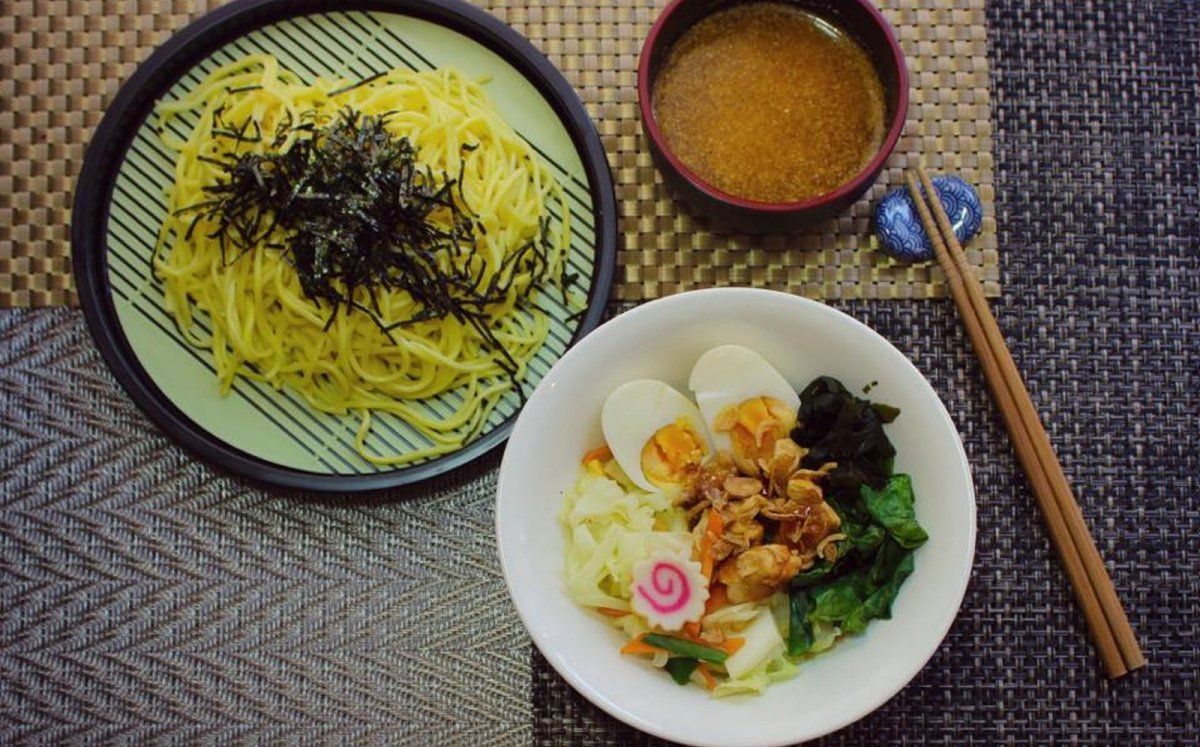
(610, 527)
(734, 616)
(824, 636)
(778, 669)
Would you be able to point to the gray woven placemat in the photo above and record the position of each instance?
(146, 597)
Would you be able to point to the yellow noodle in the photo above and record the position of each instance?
(265, 328)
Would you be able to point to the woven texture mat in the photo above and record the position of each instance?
(61, 62)
(147, 598)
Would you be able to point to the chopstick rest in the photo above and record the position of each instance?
(899, 227)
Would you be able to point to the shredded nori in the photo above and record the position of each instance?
(350, 208)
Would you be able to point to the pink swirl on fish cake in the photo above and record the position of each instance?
(669, 590)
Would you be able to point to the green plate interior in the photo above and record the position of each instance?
(278, 426)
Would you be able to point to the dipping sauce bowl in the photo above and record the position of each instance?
(731, 183)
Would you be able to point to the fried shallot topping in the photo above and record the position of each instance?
(775, 521)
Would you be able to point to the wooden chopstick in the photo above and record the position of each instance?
(1097, 597)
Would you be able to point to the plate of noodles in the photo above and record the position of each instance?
(336, 249)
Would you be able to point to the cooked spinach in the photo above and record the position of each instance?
(833, 602)
(861, 537)
(681, 667)
(864, 591)
(819, 573)
(800, 632)
(892, 507)
(878, 603)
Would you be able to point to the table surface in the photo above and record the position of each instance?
(146, 596)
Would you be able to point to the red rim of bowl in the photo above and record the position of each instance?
(860, 180)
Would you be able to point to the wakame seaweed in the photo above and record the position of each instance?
(836, 426)
(350, 208)
(875, 506)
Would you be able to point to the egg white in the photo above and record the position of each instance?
(634, 412)
(727, 376)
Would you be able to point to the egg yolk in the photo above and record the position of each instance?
(671, 454)
(755, 425)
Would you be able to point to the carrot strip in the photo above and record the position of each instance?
(610, 612)
(692, 630)
(598, 454)
(638, 646)
(730, 646)
(710, 682)
(718, 597)
(716, 524)
(712, 532)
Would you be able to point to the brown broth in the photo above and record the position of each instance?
(771, 103)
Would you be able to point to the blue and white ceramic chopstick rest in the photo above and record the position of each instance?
(899, 227)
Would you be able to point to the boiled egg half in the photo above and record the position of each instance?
(656, 434)
(747, 405)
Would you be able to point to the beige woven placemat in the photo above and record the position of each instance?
(61, 61)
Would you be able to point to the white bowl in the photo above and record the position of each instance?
(662, 339)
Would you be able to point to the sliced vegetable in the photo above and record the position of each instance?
(733, 615)
(598, 454)
(886, 413)
(710, 682)
(800, 633)
(862, 538)
(718, 597)
(762, 643)
(680, 647)
(879, 604)
(639, 646)
(824, 636)
(892, 506)
(713, 527)
(884, 566)
(814, 575)
(681, 668)
(858, 548)
(608, 530)
(776, 669)
(832, 603)
(610, 612)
